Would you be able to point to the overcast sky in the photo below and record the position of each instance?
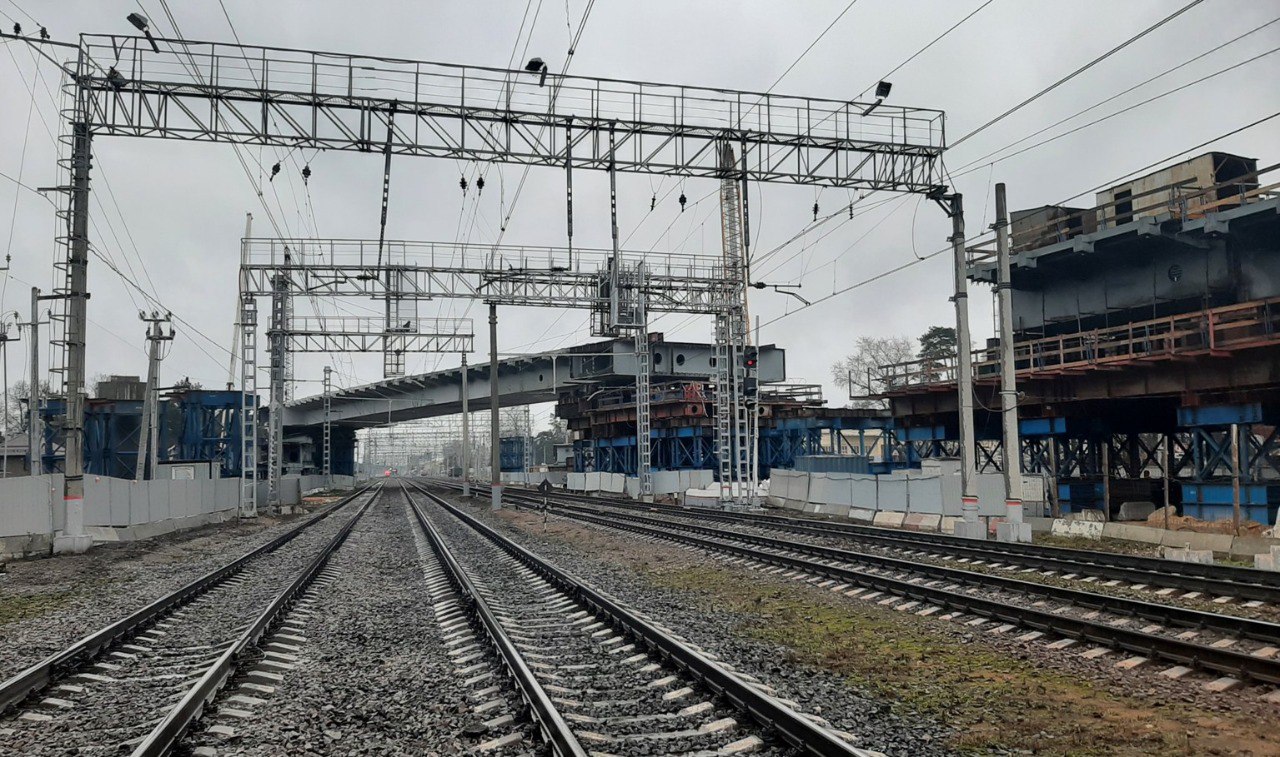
(173, 213)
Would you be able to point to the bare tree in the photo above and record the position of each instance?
(859, 371)
(17, 410)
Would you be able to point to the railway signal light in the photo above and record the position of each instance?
(750, 357)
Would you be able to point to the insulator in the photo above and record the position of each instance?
(653, 202)
(479, 184)
(17, 30)
(683, 200)
(44, 33)
(275, 169)
(462, 182)
(306, 173)
(815, 211)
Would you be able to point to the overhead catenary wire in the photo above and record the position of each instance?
(1112, 182)
(1076, 72)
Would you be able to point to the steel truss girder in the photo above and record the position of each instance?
(269, 96)
(318, 341)
(550, 288)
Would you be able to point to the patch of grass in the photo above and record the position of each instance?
(24, 606)
(994, 699)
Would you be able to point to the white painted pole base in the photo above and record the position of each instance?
(1013, 529)
(466, 488)
(972, 527)
(71, 545)
(495, 497)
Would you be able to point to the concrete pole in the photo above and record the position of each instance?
(34, 432)
(1106, 478)
(495, 458)
(466, 431)
(1164, 473)
(4, 358)
(971, 526)
(148, 400)
(1013, 529)
(1235, 478)
(73, 537)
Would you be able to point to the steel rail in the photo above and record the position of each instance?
(1166, 614)
(1222, 580)
(792, 727)
(1225, 661)
(44, 673)
(166, 735)
(555, 729)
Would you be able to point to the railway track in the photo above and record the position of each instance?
(1162, 577)
(1188, 638)
(138, 685)
(595, 677)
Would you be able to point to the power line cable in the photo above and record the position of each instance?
(1103, 185)
(1077, 72)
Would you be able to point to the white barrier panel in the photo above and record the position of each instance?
(666, 482)
(26, 504)
(592, 482)
(925, 494)
(990, 488)
(824, 488)
(780, 483)
(798, 489)
(612, 482)
(893, 494)
(577, 482)
(951, 504)
(864, 492)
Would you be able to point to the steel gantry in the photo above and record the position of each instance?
(253, 95)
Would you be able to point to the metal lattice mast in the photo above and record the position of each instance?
(328, 427)
(644, 397)
(278, 350)
(528, 443)
(732, 424)
(248, 406)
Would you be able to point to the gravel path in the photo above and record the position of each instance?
(117, 700)
(814, 690)
(373, 676)
(47, 604)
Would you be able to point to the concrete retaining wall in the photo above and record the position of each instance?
(933, 491)
(115, 509)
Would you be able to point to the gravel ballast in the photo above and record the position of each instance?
(47, 604)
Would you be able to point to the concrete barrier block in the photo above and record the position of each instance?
(889, 519)
(862, 515)
(1266, 561)
(1127, 532)
(1248, 546)
(1088, 529)
(1193, 540)
(949, 523)
(1087, 514)
(1040, 525)
(1183, 554)
(794, 504)
(1135, 510)
(922, 522)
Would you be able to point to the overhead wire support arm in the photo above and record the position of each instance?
(327, 100)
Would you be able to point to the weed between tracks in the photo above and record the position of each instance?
(996, 695)
(24, 606)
